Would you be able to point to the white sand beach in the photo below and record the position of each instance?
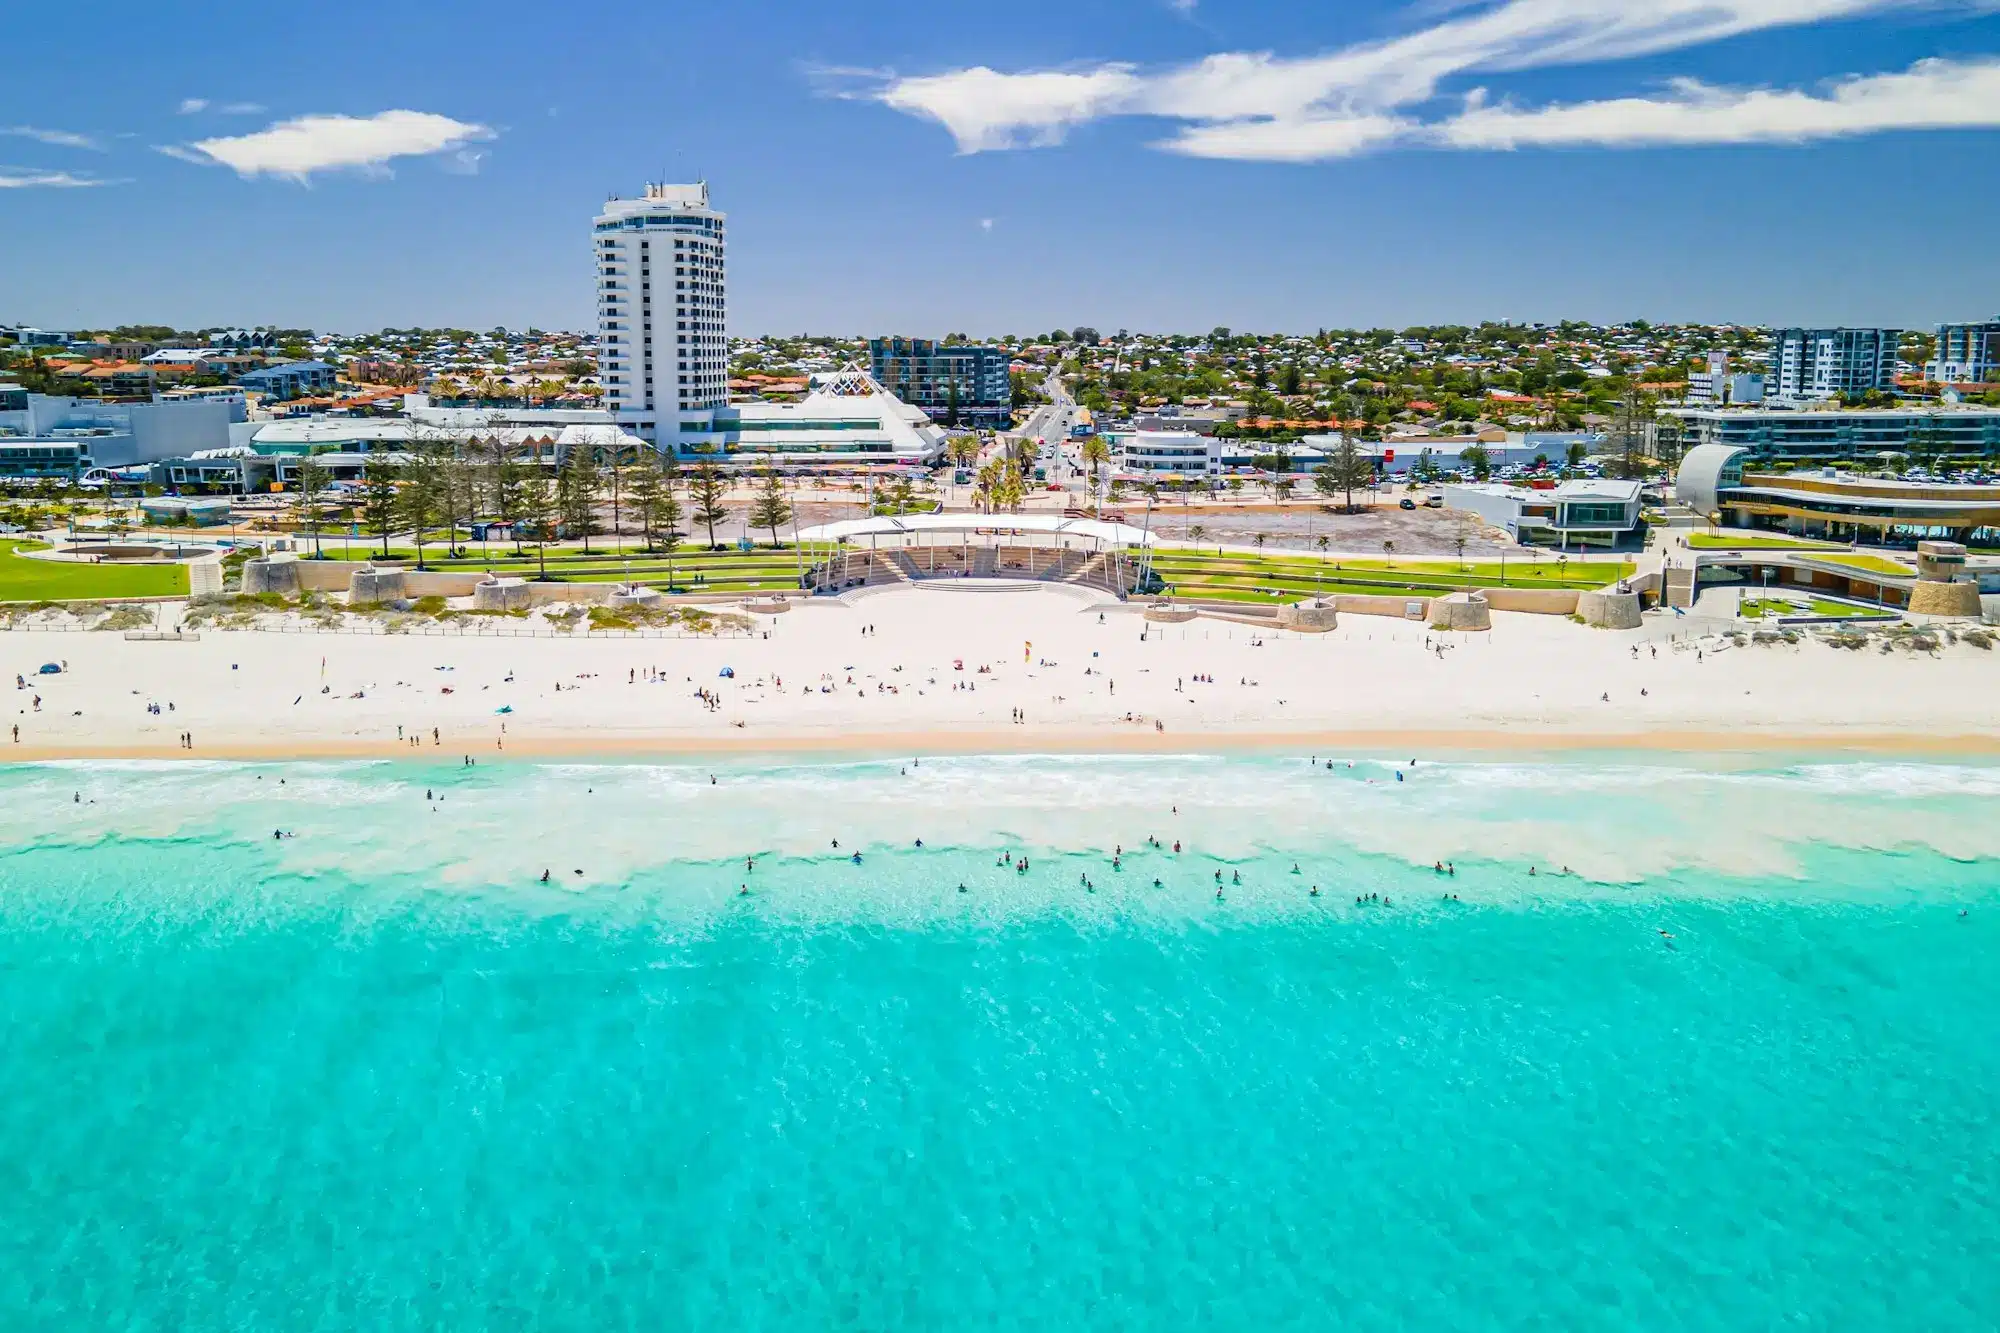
(936, 668)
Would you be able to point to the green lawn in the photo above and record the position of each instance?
(1872, 564)
(1704, 541)
(1756, 608)
(25, 580)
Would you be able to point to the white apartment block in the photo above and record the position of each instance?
(1966, 354)
(661, 305)
(1824, 363)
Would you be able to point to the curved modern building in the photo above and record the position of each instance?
(1714, 483)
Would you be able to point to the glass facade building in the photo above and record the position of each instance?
(939, 377)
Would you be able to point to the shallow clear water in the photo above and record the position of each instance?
(379, 1075)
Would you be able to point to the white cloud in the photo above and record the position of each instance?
(26, 178)
(985, 109)
(241, 108)
(298, 148)
(465, 162)
(1932, 94)
(1306, 139)
(54, 138)
(193, 105)
(986, 224)
(1266, 107)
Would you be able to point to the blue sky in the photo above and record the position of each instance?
(929, 167)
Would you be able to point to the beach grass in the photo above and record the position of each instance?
(26, 580)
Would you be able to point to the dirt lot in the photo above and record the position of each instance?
(1293, 527)
(1299, 526)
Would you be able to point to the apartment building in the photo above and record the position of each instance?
(1966, 353)
(945, 379)
(1825, 363)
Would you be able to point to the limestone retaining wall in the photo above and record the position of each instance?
(273, 573)
(366, 587)
(500, 594)
(1536, 601)
(1931, 598)
(1461, 611)
(1308, 618)
(639, 598)
(338, 575)
(1378, 604)
(1607, 608)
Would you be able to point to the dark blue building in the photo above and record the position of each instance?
(941, 378)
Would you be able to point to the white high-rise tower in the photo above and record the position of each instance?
(661, 301)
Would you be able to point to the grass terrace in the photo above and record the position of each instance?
(1199, 576)
(1709, 541)
(691, 570)
(25, 580)
(1869, 564)
(1757, 608)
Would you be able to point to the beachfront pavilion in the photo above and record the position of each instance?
(1089, 552)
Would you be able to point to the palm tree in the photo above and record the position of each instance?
(1096, 453)
(1388, 550)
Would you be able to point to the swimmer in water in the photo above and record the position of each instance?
(743, 890)
(857, 858)
(1315, 892)
(961, 888)
(545, 877)
(1218, 895)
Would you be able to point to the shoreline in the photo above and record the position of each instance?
(1429, 744)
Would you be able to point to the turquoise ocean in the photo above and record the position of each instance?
(1737, 1069)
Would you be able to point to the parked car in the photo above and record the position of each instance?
(1407, 503)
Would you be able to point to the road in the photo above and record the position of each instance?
(1051, 423)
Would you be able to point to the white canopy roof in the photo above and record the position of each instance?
(1091, 529)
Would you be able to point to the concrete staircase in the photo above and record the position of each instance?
(1678, 587)
(1064, 567)
(1096, 571)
